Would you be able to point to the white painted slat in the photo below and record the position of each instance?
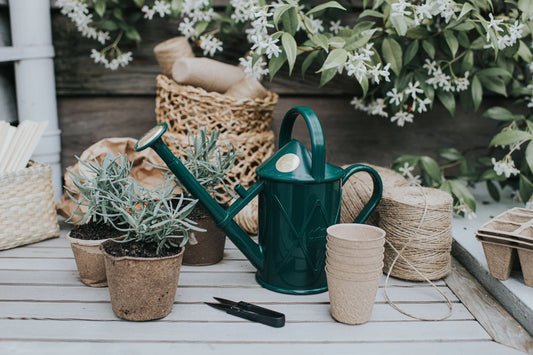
(187, 278)
(204, 294)
(30, 253)
(239, 332)
(400, 348)
(202, 313)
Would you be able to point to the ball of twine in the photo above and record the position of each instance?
(357, 190)
(418, 223)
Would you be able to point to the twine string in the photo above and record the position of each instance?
(404, 229)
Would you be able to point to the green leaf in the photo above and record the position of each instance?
(364, 85)
(327, 5)
(452, 42)
(370, 13)
(429, 47)
(509, 137)
(275, 64)
(321, 41)
(280, 10)
(132, 34)
(108, 26)
(468, 61)
(308, 61)
(336, 58)
(358, 40)
(501, 114)
(477, 92)
(525, 188)
(465, 10)
(529, 155)
(494, 84)
(392, 53)
(463, 193)
(336, 42)
(493, 190)
(139, 3)
(327, 75)
(431, 167)
(525, 6)
(450, 154)
(99, 7)
(289, 46)
(399, 24)
(448, 100)
(494, 72)
(525, 53)
(417, 32)
(410, 53)
(290, 21)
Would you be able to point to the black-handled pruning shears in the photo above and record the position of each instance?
(250, 311)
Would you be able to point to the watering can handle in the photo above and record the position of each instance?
(376, 193)
(315, 132)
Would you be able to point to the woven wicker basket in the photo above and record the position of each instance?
(244, 122)
(27, 207)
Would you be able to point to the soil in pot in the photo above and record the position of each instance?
(204, 248)
(142, 285)
(85, 240)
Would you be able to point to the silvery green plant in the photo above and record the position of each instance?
(94, 183)
(208, 161)
(154, 215)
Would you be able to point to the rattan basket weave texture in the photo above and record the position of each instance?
(27, 206)
(245, 123)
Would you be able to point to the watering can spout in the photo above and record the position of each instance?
(223, 219)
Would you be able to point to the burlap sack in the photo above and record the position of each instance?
(141, 171)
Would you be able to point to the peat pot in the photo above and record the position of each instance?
(89, 258)
(205, 248)
(140, 288)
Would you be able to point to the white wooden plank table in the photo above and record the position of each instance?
(45, 309)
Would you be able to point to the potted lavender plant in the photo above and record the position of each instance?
(96, 216)
(143, 267)
(208, 161)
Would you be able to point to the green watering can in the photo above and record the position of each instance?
(299, 197)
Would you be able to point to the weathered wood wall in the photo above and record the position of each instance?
(95, 103)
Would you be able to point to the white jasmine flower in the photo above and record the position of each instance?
(124, 59)
(257, 71)
(493, 23)
(148, 12)
(422, 104)
(186, 27)
(272, 49)
(316, 25)
(401, 117)
(515, 30)
(430, 66)
(162, 8)
(97, 56)
(462, 84)
(413, 89)
(335, 26)
(406, 169)
(530, 102)
(415, 179)
(505, 167)
(421, 12)
(377, 108)
(210, 45)
(400, 8)
(395, 97)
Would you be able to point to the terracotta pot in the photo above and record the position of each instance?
(89, 260)
(142, 289)
(208, 247)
